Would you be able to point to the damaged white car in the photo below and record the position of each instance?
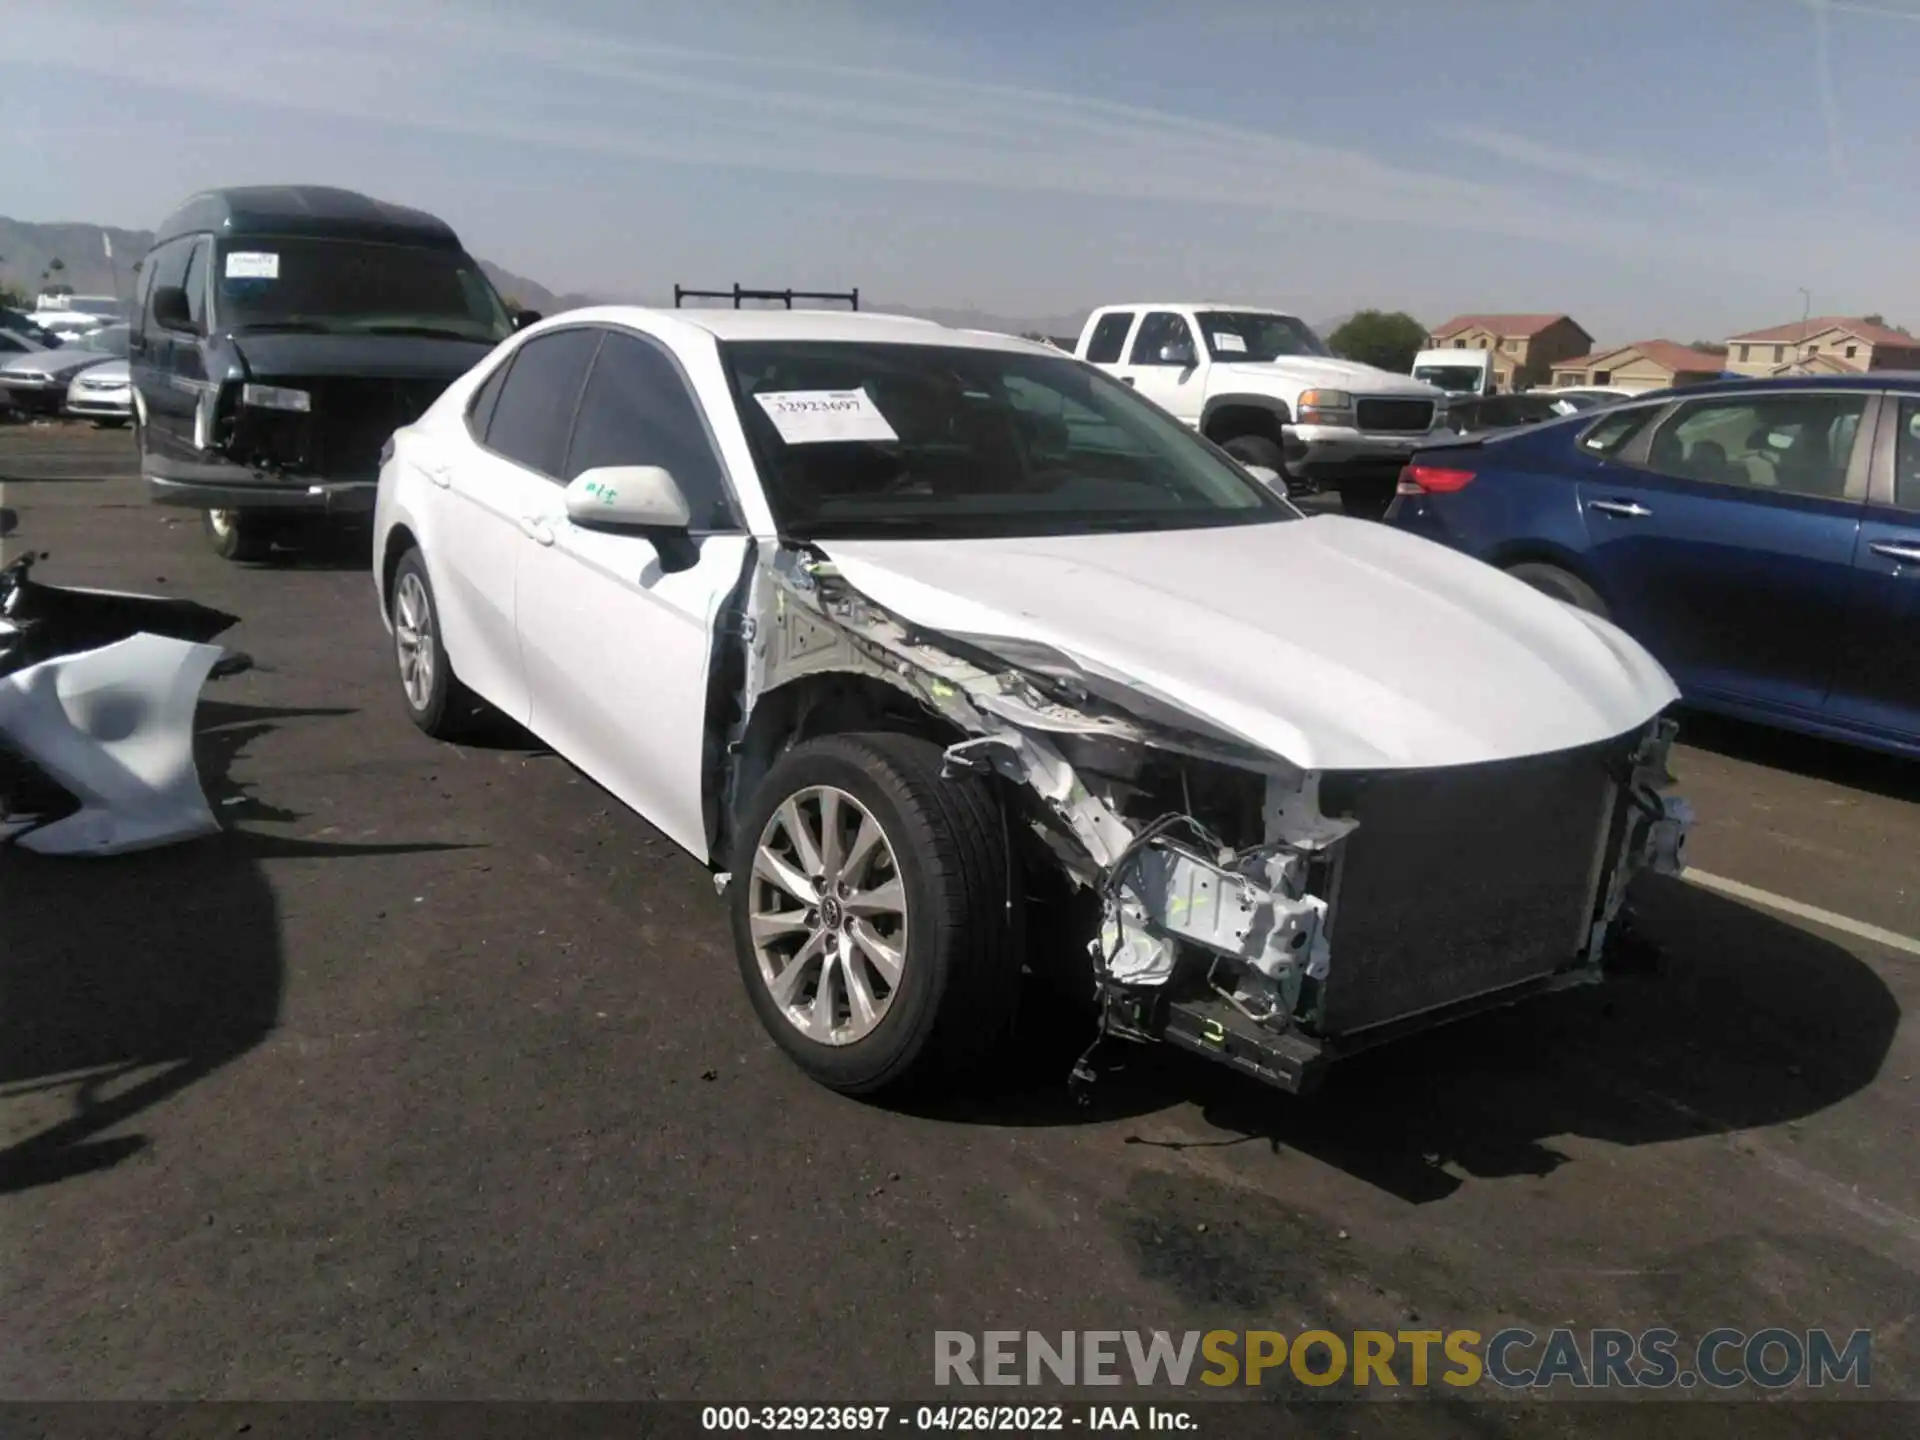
(956, 658)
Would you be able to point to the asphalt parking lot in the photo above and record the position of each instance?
(433, 1076)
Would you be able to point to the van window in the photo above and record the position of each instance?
(355, 287)
(166, 266)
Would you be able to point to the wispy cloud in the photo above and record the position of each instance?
(540, 82)
(1602, 170)
(1829, 98)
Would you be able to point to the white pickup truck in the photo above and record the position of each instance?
(1265, 388)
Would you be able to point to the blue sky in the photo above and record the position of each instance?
(1655, 167)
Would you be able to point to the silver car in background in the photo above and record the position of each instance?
(37, 381)
(103, 394)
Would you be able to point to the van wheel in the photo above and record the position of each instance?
(1561, 585)
(237, 534)
(874, 915)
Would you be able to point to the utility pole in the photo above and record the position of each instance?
(1806, 316)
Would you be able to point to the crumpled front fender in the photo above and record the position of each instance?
(114, 726)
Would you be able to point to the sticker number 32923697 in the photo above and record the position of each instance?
(816, 417)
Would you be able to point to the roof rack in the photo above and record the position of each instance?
(786, 297)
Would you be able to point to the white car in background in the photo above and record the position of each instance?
(954, 657)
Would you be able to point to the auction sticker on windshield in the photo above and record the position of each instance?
(253, 265)
(816, 417)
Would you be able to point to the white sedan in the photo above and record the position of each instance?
(957, 660)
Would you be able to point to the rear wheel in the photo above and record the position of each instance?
(1561, 585)
(874, 915)
(436, 700)
(237, 534)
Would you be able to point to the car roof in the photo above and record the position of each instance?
(1233, 305)
(315, 211)
(1871, 380)
(834, 326)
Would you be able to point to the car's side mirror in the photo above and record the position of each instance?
(1176, 355)
(627, 497)
(170, 309)
(523, 318)
(1271, 478)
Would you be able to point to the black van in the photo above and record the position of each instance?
(280, 334)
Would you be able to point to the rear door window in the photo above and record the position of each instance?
(1612, 433)
(1906, 458)
(480, 410)
(1791, 442)
(534, 412)
(1109, 338)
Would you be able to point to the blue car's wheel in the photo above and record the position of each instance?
(1561, 585)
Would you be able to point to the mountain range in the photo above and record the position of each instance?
(29, 250)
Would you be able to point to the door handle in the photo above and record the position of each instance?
(534, 528)
(1627, 509)
(1905, 554)
(440, 475)
(1126, 379)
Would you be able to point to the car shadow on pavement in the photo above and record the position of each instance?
(125, 980)
(1745, 1022)
(1853, 766)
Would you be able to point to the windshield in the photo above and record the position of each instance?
(1254, 335)
(351, 287)
(924, 441)
(1455, 378)
(107, 340)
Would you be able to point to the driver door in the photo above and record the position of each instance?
(1177, 384)
(617, 646)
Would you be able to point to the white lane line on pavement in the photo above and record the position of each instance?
(1906, 944)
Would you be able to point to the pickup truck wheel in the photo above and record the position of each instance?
(236, 534)
(1257, 450)
(436, 700)
(1369, 498)
(1561, 585)
(874, 917)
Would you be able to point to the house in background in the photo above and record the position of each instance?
(1639, 367)
(1823, 345)
(1526, 347)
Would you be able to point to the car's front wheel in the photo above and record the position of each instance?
(237, 534)
(873, 913)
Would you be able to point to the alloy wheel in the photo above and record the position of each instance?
(828, 913)
(413, 640)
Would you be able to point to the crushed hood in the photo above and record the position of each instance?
(1332, 643)
(1313, 371)
(401, 357)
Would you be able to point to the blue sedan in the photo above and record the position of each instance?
(1760, 537)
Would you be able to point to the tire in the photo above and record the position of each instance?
(441, 706)
(238, 535)
(1368, 498)
(958, 974)
(110, 424)
(1257, 450)
(1561, 585)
